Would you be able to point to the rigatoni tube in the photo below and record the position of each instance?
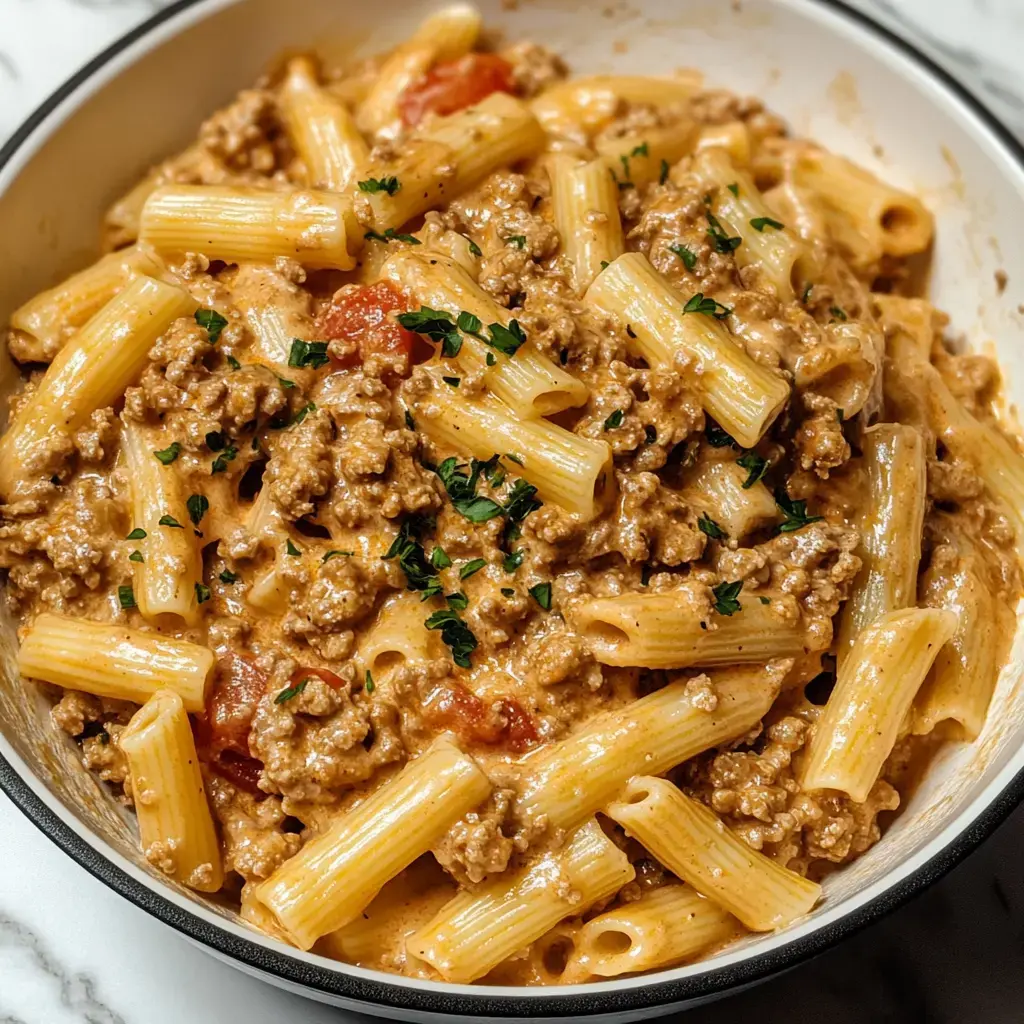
(574, 778)
(41, 326)
(585, 200)
(742, 395)
(171, 566)
(235, 223)
(663, 927)
(693, 843)
(175, 825)
(874, 691)
(90, 372)
(573, 472)
(110, 660)
(894, 504)
(332, 879)
(717, 489)
(527, 381)
(451, 156)
(678, 628)
(477, 930)
(321, 129)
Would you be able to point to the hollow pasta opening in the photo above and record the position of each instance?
(605, 634)
(612, 942)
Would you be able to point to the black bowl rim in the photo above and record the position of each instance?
(378, 993)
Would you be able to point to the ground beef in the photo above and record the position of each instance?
(475, 846)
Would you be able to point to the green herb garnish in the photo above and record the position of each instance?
(455, 634)
(710, 527)
(615, 420)
(470, 568)
(290, 691)
(760, 223)
(709, 307)
(756, 468)
(170, 521)
(541, 593)
(725, 597)
(686, 254)
(389, 184)
(308, 353)
(212, 321)
(169, 454)
(198, 505)
(795, 512)
(126, 597)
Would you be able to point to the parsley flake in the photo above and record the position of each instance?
(794, 510)
(760, 223)
(663, 176)
(170, 521)
(734, 188)
(212, 321)
(508, 592)
(717, 437)
(390, 185)
(290, 691)
(409, 421)
(233, 362)
(452, 382)
(412, 559)
(369, 686)
(720, 238)
(291, 548)
(471, 568)
(215, 441)
(202, 593)
(391, 236)
(227, 576)
(756, 468)
(686, 254)
(506, 339)
(136, 556)
(220, 464)
(710, 527)
(458, 602)
(725, 602)
(455, 634)
(838, 312)
(709, 307)
(615, 420)
(474, 249)
(335, 553)
(308, 353)
(439, 558)
(519, 241)
(137, 534)
(169, 454)
(126, 597)
(513, 560)
(541, 593)
(198, 505)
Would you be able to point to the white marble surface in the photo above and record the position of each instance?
(72, 952)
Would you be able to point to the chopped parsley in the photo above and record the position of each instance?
(519, 241)
(297, 418)
(290, 691)
(640, 150)
(520, 503)
(215, 441)
(663, 176)
(390, 185)
(170, 521)
(439, 558)
(506, 339)
(760, 223)
(412, 559)
(458, 602)
(212, 321)
(468, 323)
(726, 595)
(291, 548)
(452, 382)
(615, 420)
(455, 634)
(308, 353)
(136, 556)
(513, 560)
(369, 686)
(169, 454)
(202, 593)
(491, 360)
(335, 553)
(710, 527)
(233, 362)
(227, 576)
(807, 293)
(137, 534)
(391, 236)
(734, 188)
(795, 512)
(717, 437)
(287, 384)
(126, 597)
(541, 593)
(686, 254)
(756, 468)
(765, 600)
(517, 459)
(461, 487)
(474, 249)
(220, 464)
(838, 312)
(720, 238)
(471, 568)
(709, 307)
(198, 505)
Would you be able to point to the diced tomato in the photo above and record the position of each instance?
(455, 85)
(237, 689)
(504, 723)
(363, 316)
(333, 681)
(242, 771)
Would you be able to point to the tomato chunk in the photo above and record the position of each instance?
(243, 772)
(455, 85)
(237, 689)
(503, 723)
(363, 316)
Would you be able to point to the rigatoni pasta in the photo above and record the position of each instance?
(500, 527)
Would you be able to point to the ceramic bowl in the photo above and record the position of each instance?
(836, 77)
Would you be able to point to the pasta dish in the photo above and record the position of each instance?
(493, 525)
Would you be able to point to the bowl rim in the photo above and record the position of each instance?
(378, 991)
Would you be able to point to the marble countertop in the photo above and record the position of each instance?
(73, 952)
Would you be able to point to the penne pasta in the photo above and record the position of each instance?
(678, 628)
(693, 843)
(716, 489)
(743, 396)
(527, 382)
(665, 926)
(397, 637)
(322, 130)
(175, 824)
(449, 157)
(168, 578)
(579, 775)
(766, 243)
(586, 210)
(90, 372)
(111, 660)
(239, 223)
(572, 471)
(874, 691)
(41, 326)
(477, 930)
(890, 529)
(333, 878)
(640, 158)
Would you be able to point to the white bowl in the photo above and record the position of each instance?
(837, 77)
